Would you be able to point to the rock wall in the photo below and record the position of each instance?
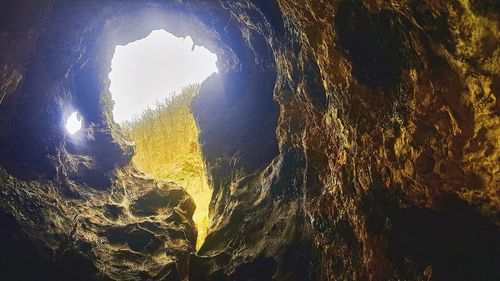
(345, 140)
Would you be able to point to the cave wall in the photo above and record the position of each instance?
(388, 165)
(345, 140)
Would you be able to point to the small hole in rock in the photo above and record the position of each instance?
(74, 123)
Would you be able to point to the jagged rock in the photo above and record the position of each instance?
(345, 140)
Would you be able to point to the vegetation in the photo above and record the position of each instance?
(167, 147)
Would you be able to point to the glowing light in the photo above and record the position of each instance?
(74, 123)
(145, 73)
(150, 69)
(167, 147)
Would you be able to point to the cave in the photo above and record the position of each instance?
(342, 140)
(153, 81)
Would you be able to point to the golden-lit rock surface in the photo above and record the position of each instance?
(142, 230)
(344, 140)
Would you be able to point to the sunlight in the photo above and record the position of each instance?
(152, 68)
(74, 123)
(153, 81)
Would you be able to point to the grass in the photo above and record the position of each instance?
(167, 147)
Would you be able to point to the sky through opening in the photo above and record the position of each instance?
(152, 69)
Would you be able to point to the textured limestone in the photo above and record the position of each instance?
(345, 140)
(141, 230)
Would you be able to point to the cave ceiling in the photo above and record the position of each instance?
(343, 140)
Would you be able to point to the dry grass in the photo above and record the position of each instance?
(167, 148)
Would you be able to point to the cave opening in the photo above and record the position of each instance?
(74, 123)
(153, 81)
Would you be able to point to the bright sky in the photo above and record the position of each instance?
(74, 123)
(152, 69)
